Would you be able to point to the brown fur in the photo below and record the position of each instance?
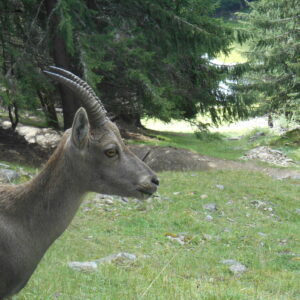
(34, 214)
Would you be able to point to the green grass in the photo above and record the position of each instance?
(236, 54)
(165, 269)
(218, 143)
(220, 148)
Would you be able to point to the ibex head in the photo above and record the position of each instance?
(96, 149)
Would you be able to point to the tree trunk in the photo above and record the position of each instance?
(13, 109)
(64, 60)
(49, 110)
(270, 121)
(131, 122)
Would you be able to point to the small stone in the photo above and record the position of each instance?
(262, 234)
(297, 211)
(210, 206)
(209, 218)
(230, 202)
(4, 166)
(220, 186)
(234, 266)
(282, 241)
(176, 193)
(207, 237)
(258, 203)
(234, 138)
(228, 262)
(6, 124)
(203, 196)
(118, 257)
(88, 266)
(124, 200)
(7, 175)
(237, 269)
(108, 202)
(177, 239)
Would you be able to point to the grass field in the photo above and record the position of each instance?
(266, 240)
(257, 223)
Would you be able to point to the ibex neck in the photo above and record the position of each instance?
(51, 199)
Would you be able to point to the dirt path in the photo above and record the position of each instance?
(174, 159)
(14, 148)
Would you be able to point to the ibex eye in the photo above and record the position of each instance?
(111, 152)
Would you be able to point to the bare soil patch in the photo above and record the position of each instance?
(14, 148)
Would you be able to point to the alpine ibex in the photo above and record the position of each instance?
(90, 157)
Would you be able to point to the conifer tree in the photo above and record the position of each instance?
(144, 57)
(271, 77)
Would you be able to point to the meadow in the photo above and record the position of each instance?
(254, 220)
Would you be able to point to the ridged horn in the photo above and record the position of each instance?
(89, 100)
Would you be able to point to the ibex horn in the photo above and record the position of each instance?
(89, 100)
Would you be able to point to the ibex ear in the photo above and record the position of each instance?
(80, 128)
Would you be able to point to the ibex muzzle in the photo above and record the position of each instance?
(90, 157)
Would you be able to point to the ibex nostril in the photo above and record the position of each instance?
(155, 180)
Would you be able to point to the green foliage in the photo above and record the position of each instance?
(160, 52)
(146, 58)
(271, 75)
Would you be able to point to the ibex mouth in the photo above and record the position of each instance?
(145, 193)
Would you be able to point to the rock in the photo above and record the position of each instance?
(209, 218)
(27, 131)
(297, 211)
(258, 203)
(204, 196)
(171, 159)
(234, 138)
(256, 136)
(4, 166)
(108, 202)
(88, 266)
(207, 237)
(220, 186)
(6, 124)
(234, 266)
(46, 137)
(210, 206)
(118, 257)
(179, 238)
(7, 175)
(268, 155)
(124, 200)
(237, 269)
(282, 242)
(228, 262)
(262, 234)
